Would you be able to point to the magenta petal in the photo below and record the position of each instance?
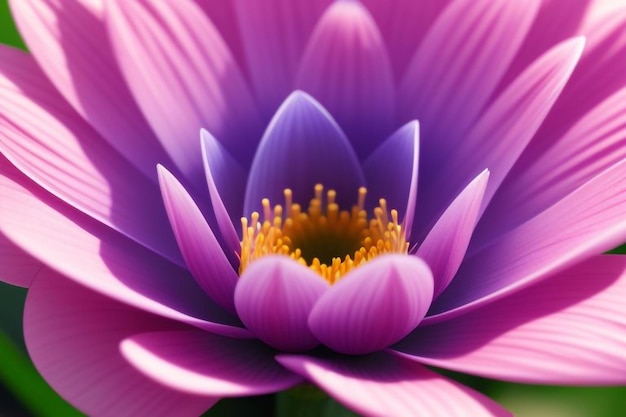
(444, 247)
(391, 172)
(274, 297)
(73, 336)
(345, 66)
(380, 385)
(374, 305)
(201, 250)
(302, 147)
(589, 221)
(183, 77)
(573, 333)
(196, 362)
(18, 267)
(70, 43)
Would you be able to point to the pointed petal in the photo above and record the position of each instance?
(183, 77)
(73, 336)
(16, 266)
(41, 134)
(458, 66)
(302, 147)
(391, 172)
(379, 385)
(70, 43)
(589, 221)
(373, 306)
(345, 66)
(504, 130)
(196, 362)
(575, 332)
(101, 259)
(444, 247)
(274, 297)
(273, 57)
(226, 181)
(201, 250)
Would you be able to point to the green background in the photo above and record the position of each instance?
(24, 394)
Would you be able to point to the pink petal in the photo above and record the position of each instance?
(70, 43)
(274, 297)
(201, 250)
(574, 332)
(45, 139)
(374, 305)
(73, 337)
(274, 33)
(196, 362)
(303, 146)
(444, 247)
(391, 172)
(183, 77)
(379, 385)
(18, 267)
(345, 66)
(101, 259)
(589, 221)
(403, 24)
(504, 130)
(459, 64)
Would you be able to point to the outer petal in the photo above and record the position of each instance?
(18, 267)
(73, 336)
(183, 77)
(302, 146)
(444, 247)
(70, 43)
(274, 297)
(458, 66)
(201, 250)
(102, 259)
(575, 332)
(345, 66)
(391, 172)
(379, 386)
(200, 363)
(274, 33)
(40, 134)
(589, 221)
(373, 306)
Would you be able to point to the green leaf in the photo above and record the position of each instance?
(8, 32)
(309, 401)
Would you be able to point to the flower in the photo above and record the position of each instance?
(489, 140)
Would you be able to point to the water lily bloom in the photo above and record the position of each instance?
(226, 198)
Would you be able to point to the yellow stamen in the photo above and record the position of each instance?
(328, 240)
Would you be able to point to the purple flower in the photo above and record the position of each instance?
(434, 183)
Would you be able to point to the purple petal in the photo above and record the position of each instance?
(380, 385)
(374, 305)
(503, 131)
(575, 332)
(101, 259)
(196, 362)
(273, 57)
(274, 297)
(302, 147)
(73, 337)
(345, 66)
(183, 77)
(201, 250)
(226, 181)
(70, 43)
(589, 221)
(49, 142)
(391, 172)
(18, 267)
(444, 247)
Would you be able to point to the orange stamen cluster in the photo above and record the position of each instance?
(328, 240)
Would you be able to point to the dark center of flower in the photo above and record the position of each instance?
(328, 240)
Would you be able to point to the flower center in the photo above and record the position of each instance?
(328, 240)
